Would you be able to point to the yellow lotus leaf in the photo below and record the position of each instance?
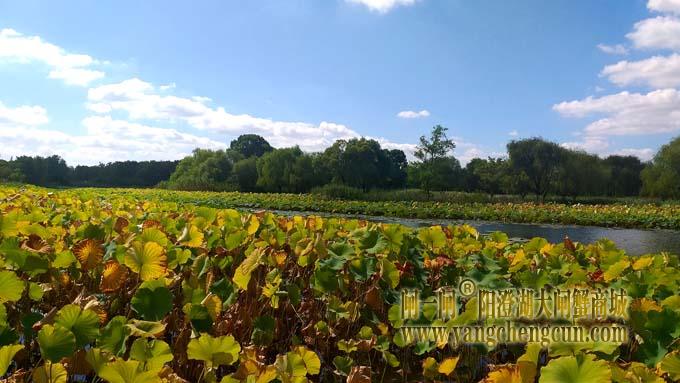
(148, 260)
(89, 252)
(643, 262)
(214, 305)
(447, 366)
(506, 374)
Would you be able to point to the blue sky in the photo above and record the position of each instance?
(98, 82)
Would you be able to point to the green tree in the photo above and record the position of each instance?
(362, 163)
(539, 160)
(435, 165)
(43, 171)
(249, 145)
(581, 173)
(661, 178)
(491, 176)
(246, 174)
(9, 172)
(285, 170)
(203, 170)
(625, 175)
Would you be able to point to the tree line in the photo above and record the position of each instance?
(534, 166)
(52, 171)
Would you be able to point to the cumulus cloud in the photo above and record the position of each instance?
(73, 69)
(513, 133)
(627, 113)
(670, 6)
(382, 6)
(645, 154)
(413, 114)
(140, 100)
(22, 116)
(617, 49)
(105, 140)
(661, 32)
(601, 146)
(591, 144)
(655, 72)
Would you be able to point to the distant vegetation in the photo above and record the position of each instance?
(464, 206)
(353, 168)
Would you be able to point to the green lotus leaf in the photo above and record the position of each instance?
(6, 355)
(11, 287)
(145, 329)
(343, 364)
(576, 369)
(113, 336)
(56, 342)
(263, 330)
(127, 371)
(154, 235)
(153, 353)
(373, 242)
(670, 364)
(389, 273)
(84, 324)
(96, 358)
(50, 373)
(152, 300)
(214, 352)
(199, 317)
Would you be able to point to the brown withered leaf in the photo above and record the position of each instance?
(568, 244)
(149, 223)
(372, 298)
(89, 252)
(35, 244)
(113, 277)
(359, 374)
(120, 225)
(168, 376)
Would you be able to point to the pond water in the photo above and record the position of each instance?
(634, 241)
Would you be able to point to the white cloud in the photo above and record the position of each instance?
(601, 147)
(382, 6)
(645, 154)
(617, 49)
(140, 100)
(670, 6)
(513, 133)
(656, 72)
(628, 113)
(73, 69)
(105, 140)
(661, 32)
(590, 144)
(413, 114)
(22, 116)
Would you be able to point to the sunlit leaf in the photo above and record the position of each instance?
(56, 343)
(84, 324)
(214, 352)
(576, 369)
(148, 260)
(50, 373)
(89, 253)
(113, 277)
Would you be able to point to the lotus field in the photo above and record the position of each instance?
(635, 215)
(124, 287)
